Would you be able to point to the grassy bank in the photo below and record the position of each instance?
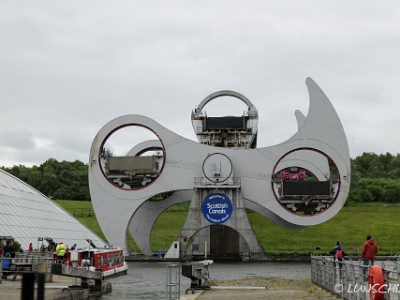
(350, 226)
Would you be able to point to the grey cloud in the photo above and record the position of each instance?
(17, 139)
(70, 68)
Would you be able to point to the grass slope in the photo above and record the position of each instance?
(350, 226)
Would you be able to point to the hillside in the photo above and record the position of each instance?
(350, 226)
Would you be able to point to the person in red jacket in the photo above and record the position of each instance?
(369, 250)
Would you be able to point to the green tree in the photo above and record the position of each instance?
(377, 192)
(365, 196)
(392, 191)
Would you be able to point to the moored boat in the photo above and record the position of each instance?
(111, 260)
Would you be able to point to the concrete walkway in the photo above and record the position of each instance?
(191, 296)
(275, 288)
(12, 289)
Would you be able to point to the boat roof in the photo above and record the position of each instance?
(28, 216)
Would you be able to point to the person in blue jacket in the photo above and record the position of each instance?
(5, 264)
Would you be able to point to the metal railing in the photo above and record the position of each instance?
(136, 252)
(173, 282)
(83, 212)
(345, 279)
(29, 262)
(214, 182)
(32, 258)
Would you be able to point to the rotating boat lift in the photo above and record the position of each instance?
(301, 182)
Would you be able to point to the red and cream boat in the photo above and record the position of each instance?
(111, 261)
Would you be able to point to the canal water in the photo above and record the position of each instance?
(147, 280)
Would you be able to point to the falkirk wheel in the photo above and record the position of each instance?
(298, 183)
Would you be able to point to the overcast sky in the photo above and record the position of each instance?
(69, 67)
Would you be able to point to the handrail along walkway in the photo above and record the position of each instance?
(349, 283)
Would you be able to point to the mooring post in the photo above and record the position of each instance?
(40, 277)
(98, 283)
(28, 286)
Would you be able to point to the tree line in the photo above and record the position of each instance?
(373, 178)
(56, 180)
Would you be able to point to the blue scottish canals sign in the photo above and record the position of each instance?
(217, 208)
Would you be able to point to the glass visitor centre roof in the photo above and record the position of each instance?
(27, 216)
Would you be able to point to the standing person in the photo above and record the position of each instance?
(9, 248)
(13, 250)
(51, 247)
(73, 247)
(60, 251)
(333, 252)
(30, 248)
(369, 250)
(338, 254)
